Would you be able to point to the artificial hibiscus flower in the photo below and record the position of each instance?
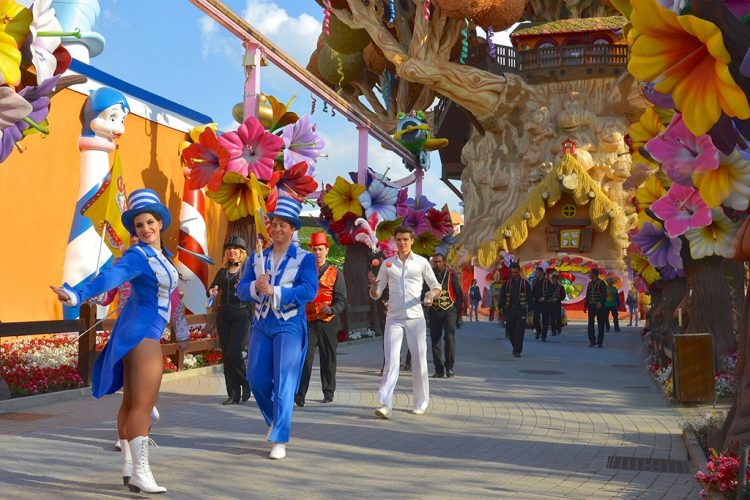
(207, 161)
(439, 223)
(237, 195)
(14, 29)
(251, 149)
(388, 247)
(715, 238)
(38, 98)
(345, 228)
(379, 199)
(681, 153)
(294, 180)
(682, 208)
(425, 244)
(343, 197)
(649, 192)
(729, 184)
(195, 136)
(417, 220)
(640, 265)
(421, 202)
(658, 247)
(687, 57)
(302, 144)
(386, 228)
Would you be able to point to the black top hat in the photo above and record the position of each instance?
(235, 241)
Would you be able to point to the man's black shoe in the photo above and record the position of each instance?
(449, 374)
(516, 354)
(328, 398)
(438, 375)
(407, 367)
(299, 401)
(591, 344)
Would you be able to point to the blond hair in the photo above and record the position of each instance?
(243, 256)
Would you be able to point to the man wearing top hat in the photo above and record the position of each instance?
(323, 321)
(280, 282)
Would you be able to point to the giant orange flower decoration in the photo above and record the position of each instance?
(685, 56)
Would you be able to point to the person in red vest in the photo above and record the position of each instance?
(443, 317)
(323, 321)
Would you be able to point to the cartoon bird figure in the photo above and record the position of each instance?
(413, 133)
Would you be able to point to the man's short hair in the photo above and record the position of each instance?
(540, 269)
(515, 265)
(404, 229)
(595, 271)
(439, 254)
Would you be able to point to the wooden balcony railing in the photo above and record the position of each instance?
(508, 59)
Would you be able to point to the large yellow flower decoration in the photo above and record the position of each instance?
(15, 21)
(651, 123)
(344, 197)
(238, 195)
(685, 56)
(728, 184)
(640, 265)
(649, 192)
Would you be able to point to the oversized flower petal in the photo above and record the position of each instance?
(729, 184)
(43, 47)
(251, 149)
(714, 239)
(681, 153)
(640, 265)
(681, 209)
(14, 30)
(649, 192)
(659, 248)
(686, 57)
(343, 198)
(439, 223)
(294, 180)
(302, 143)
(206, 160)
(381, 199)
(425, 244)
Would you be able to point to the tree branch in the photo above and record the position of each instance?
(363, 16)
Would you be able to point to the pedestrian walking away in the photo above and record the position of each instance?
(515, 303)
(404, 275)
(556, 297)
(232, 319)
(475, 297)
(612, 303)
(323, 322)
(442, 315)
(632, 302)
(280, 282)
(538, 288)
(132, 358)
(593, 304)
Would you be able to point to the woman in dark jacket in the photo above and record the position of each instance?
(232, 319)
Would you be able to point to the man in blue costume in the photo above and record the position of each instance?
(280, 284)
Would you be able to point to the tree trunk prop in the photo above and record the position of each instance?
(663, 320)
(360, 311)
(245, 229)
(714, 285)
(737, 425)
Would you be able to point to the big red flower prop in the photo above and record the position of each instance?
(294, 180)
(206, 160)
(439, 223)
(251, 149)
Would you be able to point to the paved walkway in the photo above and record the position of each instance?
(543, 426)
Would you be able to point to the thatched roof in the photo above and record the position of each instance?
(603, 212)
(581, 25)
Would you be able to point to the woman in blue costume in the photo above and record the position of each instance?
(280, 285)
(132, 358)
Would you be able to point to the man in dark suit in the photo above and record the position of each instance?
(323, 322)
(515, 302)
(443, 313)
(594, 305)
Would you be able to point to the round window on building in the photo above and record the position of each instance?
(569, 210)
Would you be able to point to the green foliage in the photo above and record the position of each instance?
(336, 255)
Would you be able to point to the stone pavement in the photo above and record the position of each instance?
(546, 425)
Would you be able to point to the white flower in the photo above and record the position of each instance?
(42, 47)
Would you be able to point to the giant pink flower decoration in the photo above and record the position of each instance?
(682, 208)
(252, 149)
(681, 153)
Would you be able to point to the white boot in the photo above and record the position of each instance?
(142, 479)
(127, 460)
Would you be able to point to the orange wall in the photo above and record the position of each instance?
(38, 190)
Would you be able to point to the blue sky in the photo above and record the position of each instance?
(171, 48)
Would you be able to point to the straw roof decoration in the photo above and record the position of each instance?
(603, 212)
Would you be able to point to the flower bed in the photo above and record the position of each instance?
(47, 364)
(662, 373)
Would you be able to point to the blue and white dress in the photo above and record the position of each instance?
(152, 278)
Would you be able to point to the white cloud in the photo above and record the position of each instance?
(215, 41)
(297, 36)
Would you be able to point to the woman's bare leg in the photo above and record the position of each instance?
(122, 414)
(144, 368)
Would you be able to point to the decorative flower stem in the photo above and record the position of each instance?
(76, 33)
(37, 126)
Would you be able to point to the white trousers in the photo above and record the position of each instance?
(416, 338)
